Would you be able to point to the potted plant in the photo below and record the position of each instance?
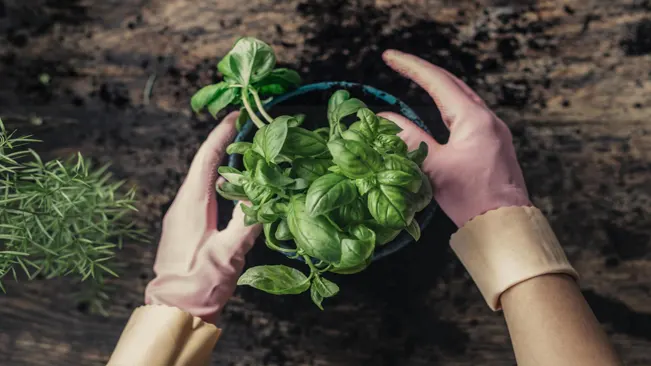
(333, 186)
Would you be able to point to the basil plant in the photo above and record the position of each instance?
(328, 196)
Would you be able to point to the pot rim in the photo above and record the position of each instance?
(403, 239)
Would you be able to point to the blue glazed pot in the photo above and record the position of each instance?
(376, 99)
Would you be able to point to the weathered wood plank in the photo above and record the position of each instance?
(572, 79)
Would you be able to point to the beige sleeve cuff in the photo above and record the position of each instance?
(504, 247)
(159, 335)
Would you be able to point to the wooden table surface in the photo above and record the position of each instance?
(572, 78)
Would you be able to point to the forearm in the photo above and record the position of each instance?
(550, 323)
(516, 261)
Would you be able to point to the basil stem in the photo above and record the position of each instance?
(258, 103)
(247, 104)
(313, 269)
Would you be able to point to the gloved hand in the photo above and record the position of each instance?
(477, 170)
(197, 266)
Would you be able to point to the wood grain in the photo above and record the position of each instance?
(572, 78)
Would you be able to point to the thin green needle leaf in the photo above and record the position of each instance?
(105, 268)
(11, 252)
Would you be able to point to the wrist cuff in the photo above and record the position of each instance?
(159, 335)
(504, 247)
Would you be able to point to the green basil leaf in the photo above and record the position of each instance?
(281, 207)
(242, 118)
(292, 121)
(395, 177)
(270, 89)
(250, 61)
(277, 280)
(270, 175)
(267, 212)
(363, 232)
(270, 138)
(324, 132)
(335, 100)
(364, 185)
(383, 234)
(231, 191)
(257, 147)
(333, 223)
(299, 184)
(352, 270)
(250, 220)
(249, 210)
(310, 169)
(329, 192)
(256, 193)
(335, 169)
(369, 124)
(224, 66)
(409, 180)
(423, 197)
(325, 287)
(271, 237)
(282, 232)
(388, 127)
(221, 101)
(414, 230)
(354, 135)
(418, 155)
(317, 236)
(297, 121)
(231, 174)
(279, 81)
(390, 144)
(348, 107)
(238, 147)
(304, 143)
(356, 253)
(352, 213)
(251, 159)
(207, 95)
(316, 297)
(356, 159)
(228, 79)
(282, 158)
(389, 206)
(250, 214)
(395, 162)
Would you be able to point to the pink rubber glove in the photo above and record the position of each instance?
(477, 170)
(197, 266)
